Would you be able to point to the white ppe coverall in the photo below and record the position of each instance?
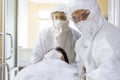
(50, 68)
(49, 38)
(98, 49)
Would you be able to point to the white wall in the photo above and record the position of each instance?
(23, 23)
(24, 57)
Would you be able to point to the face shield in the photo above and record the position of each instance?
(80, 15)
(86, 15)
(59, 18)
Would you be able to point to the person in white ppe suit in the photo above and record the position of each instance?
(98, 49)
(60, 34)
(54, 66)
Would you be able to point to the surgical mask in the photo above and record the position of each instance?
(59, 24)
(86, 27)
(53, 54)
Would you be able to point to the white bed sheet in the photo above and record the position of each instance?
(50, 69)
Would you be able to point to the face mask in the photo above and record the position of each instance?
(86, 27)
(53, 54)
(59, 24)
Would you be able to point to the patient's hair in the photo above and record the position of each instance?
(63, 53)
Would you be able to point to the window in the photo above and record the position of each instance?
(44, 19)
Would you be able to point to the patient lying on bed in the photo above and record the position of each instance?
(54, 66)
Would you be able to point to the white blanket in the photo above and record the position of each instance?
(50, 69)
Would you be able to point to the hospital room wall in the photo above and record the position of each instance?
(33, 21)
(104, 7)
(0, 29)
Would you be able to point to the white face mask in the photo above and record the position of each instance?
(86, 27)
(53, 54)
(59, 24)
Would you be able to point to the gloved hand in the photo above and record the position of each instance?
(82, 72)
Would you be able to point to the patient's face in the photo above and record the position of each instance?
(62, 57)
